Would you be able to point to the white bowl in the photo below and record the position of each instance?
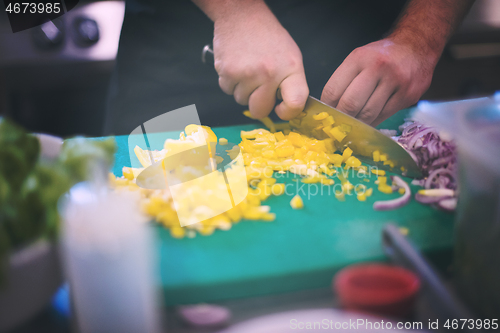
(32, 273)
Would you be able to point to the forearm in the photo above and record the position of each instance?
(426, 25)
(217, 9)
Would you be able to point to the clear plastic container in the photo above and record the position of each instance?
(475, 126)
(109, 261)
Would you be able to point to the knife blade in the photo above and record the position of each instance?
(361, 138)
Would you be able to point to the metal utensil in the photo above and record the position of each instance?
(362, 138)
(402, 252)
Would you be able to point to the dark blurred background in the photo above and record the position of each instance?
(54, 78)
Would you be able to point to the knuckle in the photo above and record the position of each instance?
(357, 51)
(328, 95)
(368, 115)
(402, 75)
(241, 99)
(349, 104)
(218, 66)
(295, 104)
(382, 61)
(267, 70)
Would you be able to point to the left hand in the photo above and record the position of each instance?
(377, 80)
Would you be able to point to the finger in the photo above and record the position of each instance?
(339, 81)
(393, 105)
(242, 92)
(294, 91)
(262, 100)
(227, 85)
(357, 94)
(376, 102)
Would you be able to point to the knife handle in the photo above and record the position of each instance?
(207, 56)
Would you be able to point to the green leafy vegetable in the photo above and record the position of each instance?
(30, 187)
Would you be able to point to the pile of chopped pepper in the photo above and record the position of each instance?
(277, 149)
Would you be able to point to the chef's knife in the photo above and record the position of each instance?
(363, 139)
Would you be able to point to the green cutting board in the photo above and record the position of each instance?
(301, 249)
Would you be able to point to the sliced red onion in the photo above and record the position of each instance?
(418, 182)
(437, 192)
(448, 204)
(388, 132)
(419, 135)
(205, 315)
(395, 203)
(435, 155)
(433, 174)
(410, 128)
(429, 199)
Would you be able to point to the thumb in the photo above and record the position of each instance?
(294, 91)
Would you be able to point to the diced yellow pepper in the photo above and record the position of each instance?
(296, 139)
(268, 216)
(383, 157)
(278, 189)
(328, 121)
(222, 141)
(384, 188)
(128, 173)
(353, 162)
(368, 192)
(340, 195)
(401, 190)
(347, 187)
(327, 181)
(336, 159)
(346, 154)
(316, 145)
(311, 180)
(327, 130)
(345, 128)
(279, 136)
(376, 156)
(297, 202)
(329, 146)
(177, 232)
(285, 151)
(377, 172)
(320, 116)
(337, 134)
(361, 197)
(269, 154)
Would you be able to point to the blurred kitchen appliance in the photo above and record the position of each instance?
(54, 77)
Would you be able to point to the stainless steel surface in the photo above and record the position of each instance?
(362, 139)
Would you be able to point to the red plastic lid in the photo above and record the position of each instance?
(377, 288)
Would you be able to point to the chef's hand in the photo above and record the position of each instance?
(377, 80)
(254, 56)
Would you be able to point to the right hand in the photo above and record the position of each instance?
(254, 56)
